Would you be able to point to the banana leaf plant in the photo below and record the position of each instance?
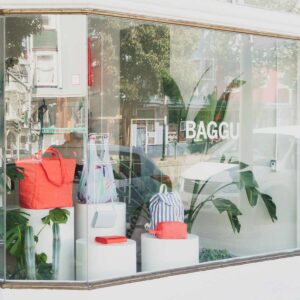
(243, 178)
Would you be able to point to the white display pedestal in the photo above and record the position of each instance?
(162, 254)
(84, 218)
(102, 261)
(67, 255)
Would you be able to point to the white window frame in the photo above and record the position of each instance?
(207, 13)
(52, 22)
(55, 58)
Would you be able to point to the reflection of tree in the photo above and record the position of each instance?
(145, 54)
(145, 58)
(155, 61)
(16, 30)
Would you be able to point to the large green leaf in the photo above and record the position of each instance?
(59, 215)
(247, 179)
(16, 222)
(15, 240)
(225, 205)
(46, 220)
(232, 212)
(270, 205)
(44, 269)
(16, 217)
(252, 195)
(234, 221)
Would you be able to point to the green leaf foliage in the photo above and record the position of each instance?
(270, 205)
(232, 212)
(44, 269)
(16, 222)
(15, 240)
(252, 195)
(13, 173)
(56, 215)
(247, 179)
(213, 254)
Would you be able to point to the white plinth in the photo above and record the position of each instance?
(84, 218)
(67, 255)
(100, 261)
(161, 254)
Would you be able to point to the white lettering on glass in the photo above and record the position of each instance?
(212, 130)
(190, 129)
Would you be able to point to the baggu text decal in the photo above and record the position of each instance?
(212, 130)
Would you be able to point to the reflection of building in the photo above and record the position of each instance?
(17, 107)
(44, 97)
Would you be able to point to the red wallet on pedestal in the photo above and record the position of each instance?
(113, 239)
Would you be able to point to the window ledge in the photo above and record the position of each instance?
(148, 276)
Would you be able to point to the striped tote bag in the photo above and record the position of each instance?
(165, 207)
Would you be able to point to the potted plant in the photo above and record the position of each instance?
(21, 242)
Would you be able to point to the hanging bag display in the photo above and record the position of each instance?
(165, 207)
(48, 180)
(97, 184)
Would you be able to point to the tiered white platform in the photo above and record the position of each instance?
(84, 219)
(161, 254)
(98, 261)
(95, 261)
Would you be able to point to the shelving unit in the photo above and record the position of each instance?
(53, 130)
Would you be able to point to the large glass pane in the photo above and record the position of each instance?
(2, 153)
(46, 129)
(200, 119)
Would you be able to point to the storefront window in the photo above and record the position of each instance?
(115, 127)
(2, 154)
(46, 130)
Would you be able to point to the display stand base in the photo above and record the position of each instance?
(84, 220)
(162, 254)
(100, 261)
(44, 244)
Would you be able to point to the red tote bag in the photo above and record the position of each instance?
(47, 181)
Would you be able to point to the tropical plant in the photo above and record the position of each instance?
(243, 178)
(217, 105)
(21, 242)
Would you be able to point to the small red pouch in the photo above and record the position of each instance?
(170, 230)
(113, 239)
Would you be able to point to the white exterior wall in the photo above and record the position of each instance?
(202, 11)
(275, 280)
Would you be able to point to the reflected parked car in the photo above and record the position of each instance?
(273, 156)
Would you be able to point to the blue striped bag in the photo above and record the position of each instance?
(165, 207)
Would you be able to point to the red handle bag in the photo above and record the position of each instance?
(47, 181)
